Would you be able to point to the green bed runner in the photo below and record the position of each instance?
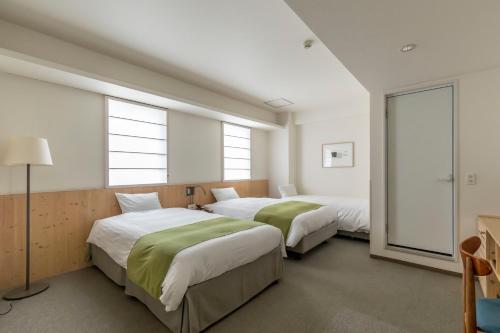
(152, 254)
(282, 214)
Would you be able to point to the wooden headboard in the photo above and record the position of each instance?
(61, 222)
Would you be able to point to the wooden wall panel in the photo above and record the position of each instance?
(61, 223)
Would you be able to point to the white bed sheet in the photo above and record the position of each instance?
(353, 213)
(302, 225)
(117, 235)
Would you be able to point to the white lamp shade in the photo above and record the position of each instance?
(28, 150)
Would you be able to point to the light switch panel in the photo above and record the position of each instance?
(470, 179)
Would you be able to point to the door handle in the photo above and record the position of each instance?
(448, 179)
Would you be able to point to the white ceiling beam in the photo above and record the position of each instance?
(31, 54)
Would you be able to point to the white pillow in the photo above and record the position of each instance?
(222, 194)
(138, 202)
(287, 190)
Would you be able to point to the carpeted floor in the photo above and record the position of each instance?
(335, 288)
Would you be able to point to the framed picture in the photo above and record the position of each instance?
(338, 155)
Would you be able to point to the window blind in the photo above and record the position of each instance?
(237, 152)
(137, 144)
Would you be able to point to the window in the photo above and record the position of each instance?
(237, 152)
(137, 144)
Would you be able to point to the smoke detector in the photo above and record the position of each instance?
(308, 43)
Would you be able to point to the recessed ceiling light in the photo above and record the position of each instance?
(408, 47)
(278, 103)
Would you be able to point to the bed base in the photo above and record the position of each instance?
(314, 239)
(352, 234)
(108, 266)
(207, 302)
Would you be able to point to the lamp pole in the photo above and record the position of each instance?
(28, 246)
(28, 290)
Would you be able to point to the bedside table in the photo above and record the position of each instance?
(198, 207)
(208, 210)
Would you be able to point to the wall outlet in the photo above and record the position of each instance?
(470, 179)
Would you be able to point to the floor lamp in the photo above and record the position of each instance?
(27, 151)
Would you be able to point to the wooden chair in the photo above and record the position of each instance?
(488, 310)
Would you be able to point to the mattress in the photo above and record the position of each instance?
(302, 225)
(353, 213)
(117, 235)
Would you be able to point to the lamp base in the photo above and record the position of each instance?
(21, 292)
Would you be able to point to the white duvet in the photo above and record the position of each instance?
(353, 213)
(117, 235)
(302, 225)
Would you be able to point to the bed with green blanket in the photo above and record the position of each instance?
(304, 225)
(237, 259)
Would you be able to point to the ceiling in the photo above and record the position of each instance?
(248, 50)
(452, 36)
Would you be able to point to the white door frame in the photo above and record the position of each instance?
(455, 183)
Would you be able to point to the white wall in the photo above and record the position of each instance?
(194, 149)
(295, 155)
(478, 152)
(281, 160)
(73, 122)
(278, 161)
(312, 178)
(260, 154)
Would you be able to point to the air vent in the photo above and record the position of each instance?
(278, 103)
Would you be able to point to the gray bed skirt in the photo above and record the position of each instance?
(108, 266)
(207, 302)
(353, 234)
(314, 239)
